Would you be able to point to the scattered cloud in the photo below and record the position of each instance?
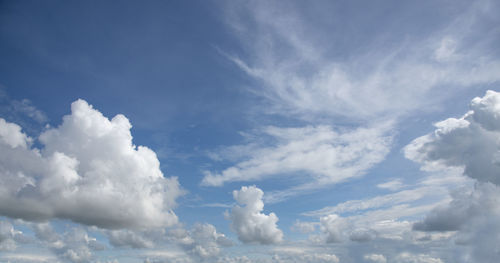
(248, 221)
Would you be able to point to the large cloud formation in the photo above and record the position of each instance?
(472, 143)
(88, 171)
(248, 221)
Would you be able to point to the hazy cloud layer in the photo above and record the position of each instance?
(320, 153)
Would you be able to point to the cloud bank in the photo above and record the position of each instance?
(87, 171)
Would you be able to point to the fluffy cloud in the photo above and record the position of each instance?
(88, 171)
(75, 245)
(475, 215)
(248, 221)
(202, 241)
(470, 142)
(326, 156)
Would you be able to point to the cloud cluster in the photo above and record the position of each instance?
(75, 245)
(248, 221)
(88, 171)
(202, 241)
(470, 142)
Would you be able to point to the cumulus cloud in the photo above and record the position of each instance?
(202, 241)
(470, 142)
(75, 245)
(88, 171)
(128, 238)
(248, 221)
(475, 215)
(321, 153)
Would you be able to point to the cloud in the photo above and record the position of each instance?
(127, 238)
(248, 221)
(392, 185)
(376, 258)
(406, 257)
(75, 245)
(88, 171)
(320, 153)
(307, 258)
(475, 215)
(469, 142)
(301, 72)
(9, 237)
(202, 241)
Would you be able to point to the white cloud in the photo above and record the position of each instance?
(392, 185)
(202, 240)
(306, 258)
(128, 238)
(248, 221)
(74, 245)
(376, 258)
(406, 257)
(470, 142)
(301, 77)
(88, 171)
(322, 154)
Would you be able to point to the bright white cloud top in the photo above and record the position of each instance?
(248, 221)
(87, 171)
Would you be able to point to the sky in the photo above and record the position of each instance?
(250, 131)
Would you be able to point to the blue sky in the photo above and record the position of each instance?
(249, 131)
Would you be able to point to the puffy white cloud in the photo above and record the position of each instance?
(470, 142)
(334, 227)
(320, 153)
(75, 245)
(128, 238)
(248, 221)
(202, 240)
(88, 171)
(376, 258)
